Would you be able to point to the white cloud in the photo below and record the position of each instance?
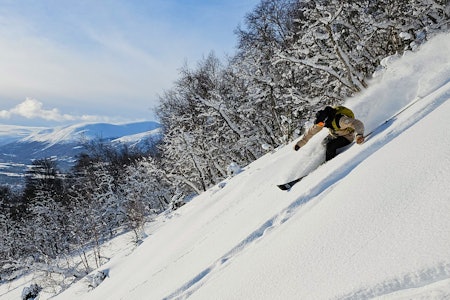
(34, 109)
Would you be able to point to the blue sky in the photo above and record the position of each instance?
(65, 61)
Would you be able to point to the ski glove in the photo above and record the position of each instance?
(359, 139)
(296, 147)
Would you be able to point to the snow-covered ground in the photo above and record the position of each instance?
(372, 223)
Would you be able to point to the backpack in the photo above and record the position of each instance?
(341, 111)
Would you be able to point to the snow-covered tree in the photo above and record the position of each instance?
(275, 102)
(7, 249)
(87, 223)
(47, 230)
(144, 192)
(203, 131)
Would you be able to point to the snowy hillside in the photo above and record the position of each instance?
(372, 223)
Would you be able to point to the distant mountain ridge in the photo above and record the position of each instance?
(73, 132)
(11, 133)
(20, 145)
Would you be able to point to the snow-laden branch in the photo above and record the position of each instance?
(310, 63)
(218, 107)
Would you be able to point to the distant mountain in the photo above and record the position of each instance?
(11, 133)
(19, 146)
(102, 131)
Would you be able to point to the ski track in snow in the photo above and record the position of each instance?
(425, 277)
(408, 281)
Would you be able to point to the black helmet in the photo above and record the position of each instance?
(324, 115)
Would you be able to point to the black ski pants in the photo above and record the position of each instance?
(333, 144)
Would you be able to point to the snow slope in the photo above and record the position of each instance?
(372, 223)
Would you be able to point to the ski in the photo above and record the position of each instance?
(289, 185)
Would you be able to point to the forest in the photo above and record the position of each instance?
(293, 57)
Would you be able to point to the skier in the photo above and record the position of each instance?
(343, 127)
